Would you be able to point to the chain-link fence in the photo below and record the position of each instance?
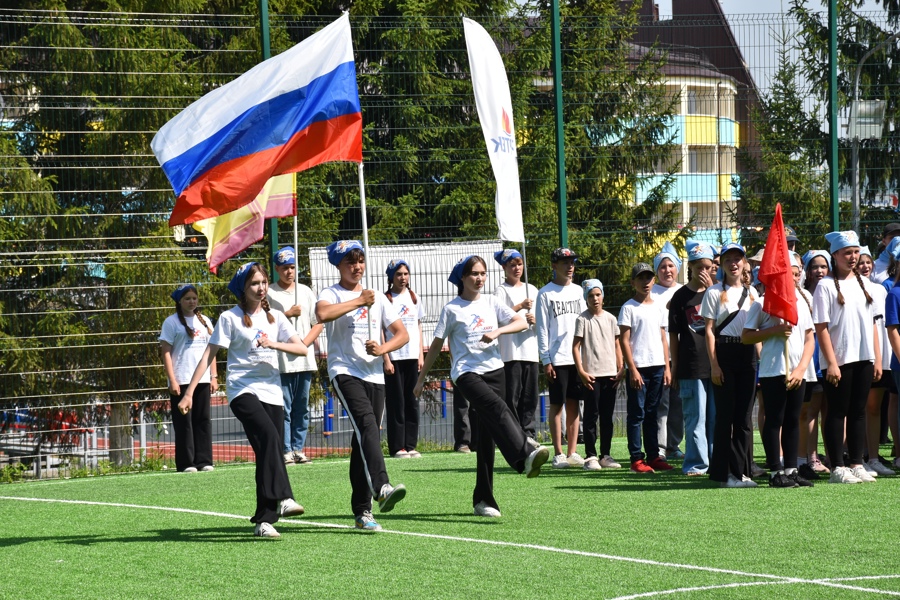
(675, 128)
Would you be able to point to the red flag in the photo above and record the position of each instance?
(775, 273)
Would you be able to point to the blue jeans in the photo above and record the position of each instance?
(295, 389)
(699, 422)
(642, 405)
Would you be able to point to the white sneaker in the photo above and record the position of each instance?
(731, 482)
(265, 530)
(608, 462)
(208, 468)
(843, 475)
(414, 454)
(289, 508)
(560, 462)
(747, 482)
(872, 472)
(288, 458)
(862, 474)
(190, 470)
(400, 454)
(591, 464)
(483, 510)
(535, 461)
(875, 465)
(533, 443)
(575, 460)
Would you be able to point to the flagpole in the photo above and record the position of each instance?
(296, 270)
(525, 274)
(365, 232)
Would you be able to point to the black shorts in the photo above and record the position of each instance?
(886, 382)
(813, 387)
(566, 386)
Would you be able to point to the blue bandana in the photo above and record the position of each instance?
(894, 248)
(697, 250)
(239, 281)
(588, 284)
(504, 256)
(338, 250)
(285, 256)
(668, 251)
(392, 268)
(456, 274)
(864, 251)
(181, 291)
(811, 254)
(841, 239)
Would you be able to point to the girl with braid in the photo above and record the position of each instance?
(182, 341)
(849, 353)
(254, 334)
(783, 390)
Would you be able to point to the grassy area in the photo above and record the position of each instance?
(565, 534)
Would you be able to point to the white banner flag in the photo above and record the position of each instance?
(494, 105)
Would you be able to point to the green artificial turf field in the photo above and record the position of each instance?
(566, 534)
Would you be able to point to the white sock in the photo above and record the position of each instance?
(790, 471)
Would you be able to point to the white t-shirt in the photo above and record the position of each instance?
(849, 326)
(463, 323)
(186, 351)
(879, 273)
(347, 335)
(663, 295)
(558, 307)
(411, 315)
(647, 322)
(879, 297)
(283, 300)
(523, 345)
(712, 308)
(251, 368)
(771, 359)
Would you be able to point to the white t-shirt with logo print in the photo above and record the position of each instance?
(558, 307)
(252, 368)
(463, 323)
(186, 351)
(411, 314)
(348, 334)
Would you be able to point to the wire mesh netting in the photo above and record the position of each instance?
(690, 126)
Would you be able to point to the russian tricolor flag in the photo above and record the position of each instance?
(289, 113)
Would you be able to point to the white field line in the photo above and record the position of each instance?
(774, 578)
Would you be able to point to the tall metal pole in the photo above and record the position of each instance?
(560, 133)
(833, 185)
(266, 55)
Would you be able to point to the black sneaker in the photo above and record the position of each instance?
(807, 473)
(780, 480)
(799, 480)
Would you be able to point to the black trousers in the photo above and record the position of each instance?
(463, 417)
(782, 408)
(264, 425)
(402, 406)
(364, 403)
(494, 422)
(847, 401)
(599, 402)
(193, 431)
(522, 392)
(734, 405)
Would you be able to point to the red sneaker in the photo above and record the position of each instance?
(659, 464)
(639, 466)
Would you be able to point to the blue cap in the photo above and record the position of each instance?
(811, 254)
(698, 250)
(456, 274)
(182, 290)
(864, 250)
(393, 266)
(588, 284)
(668, 251)
(841, 239)
(893, 248)
(732, 246)
(239, 281)
(339, 249)
(755, 274)
(504, 256)
(285, 256)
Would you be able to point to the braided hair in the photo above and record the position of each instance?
(837, 285)
(197, 313)
(265, 303)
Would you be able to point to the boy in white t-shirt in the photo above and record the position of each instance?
(519, 351)
(298, 303)
(353, 319)
(643, 324)
(559, 304)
